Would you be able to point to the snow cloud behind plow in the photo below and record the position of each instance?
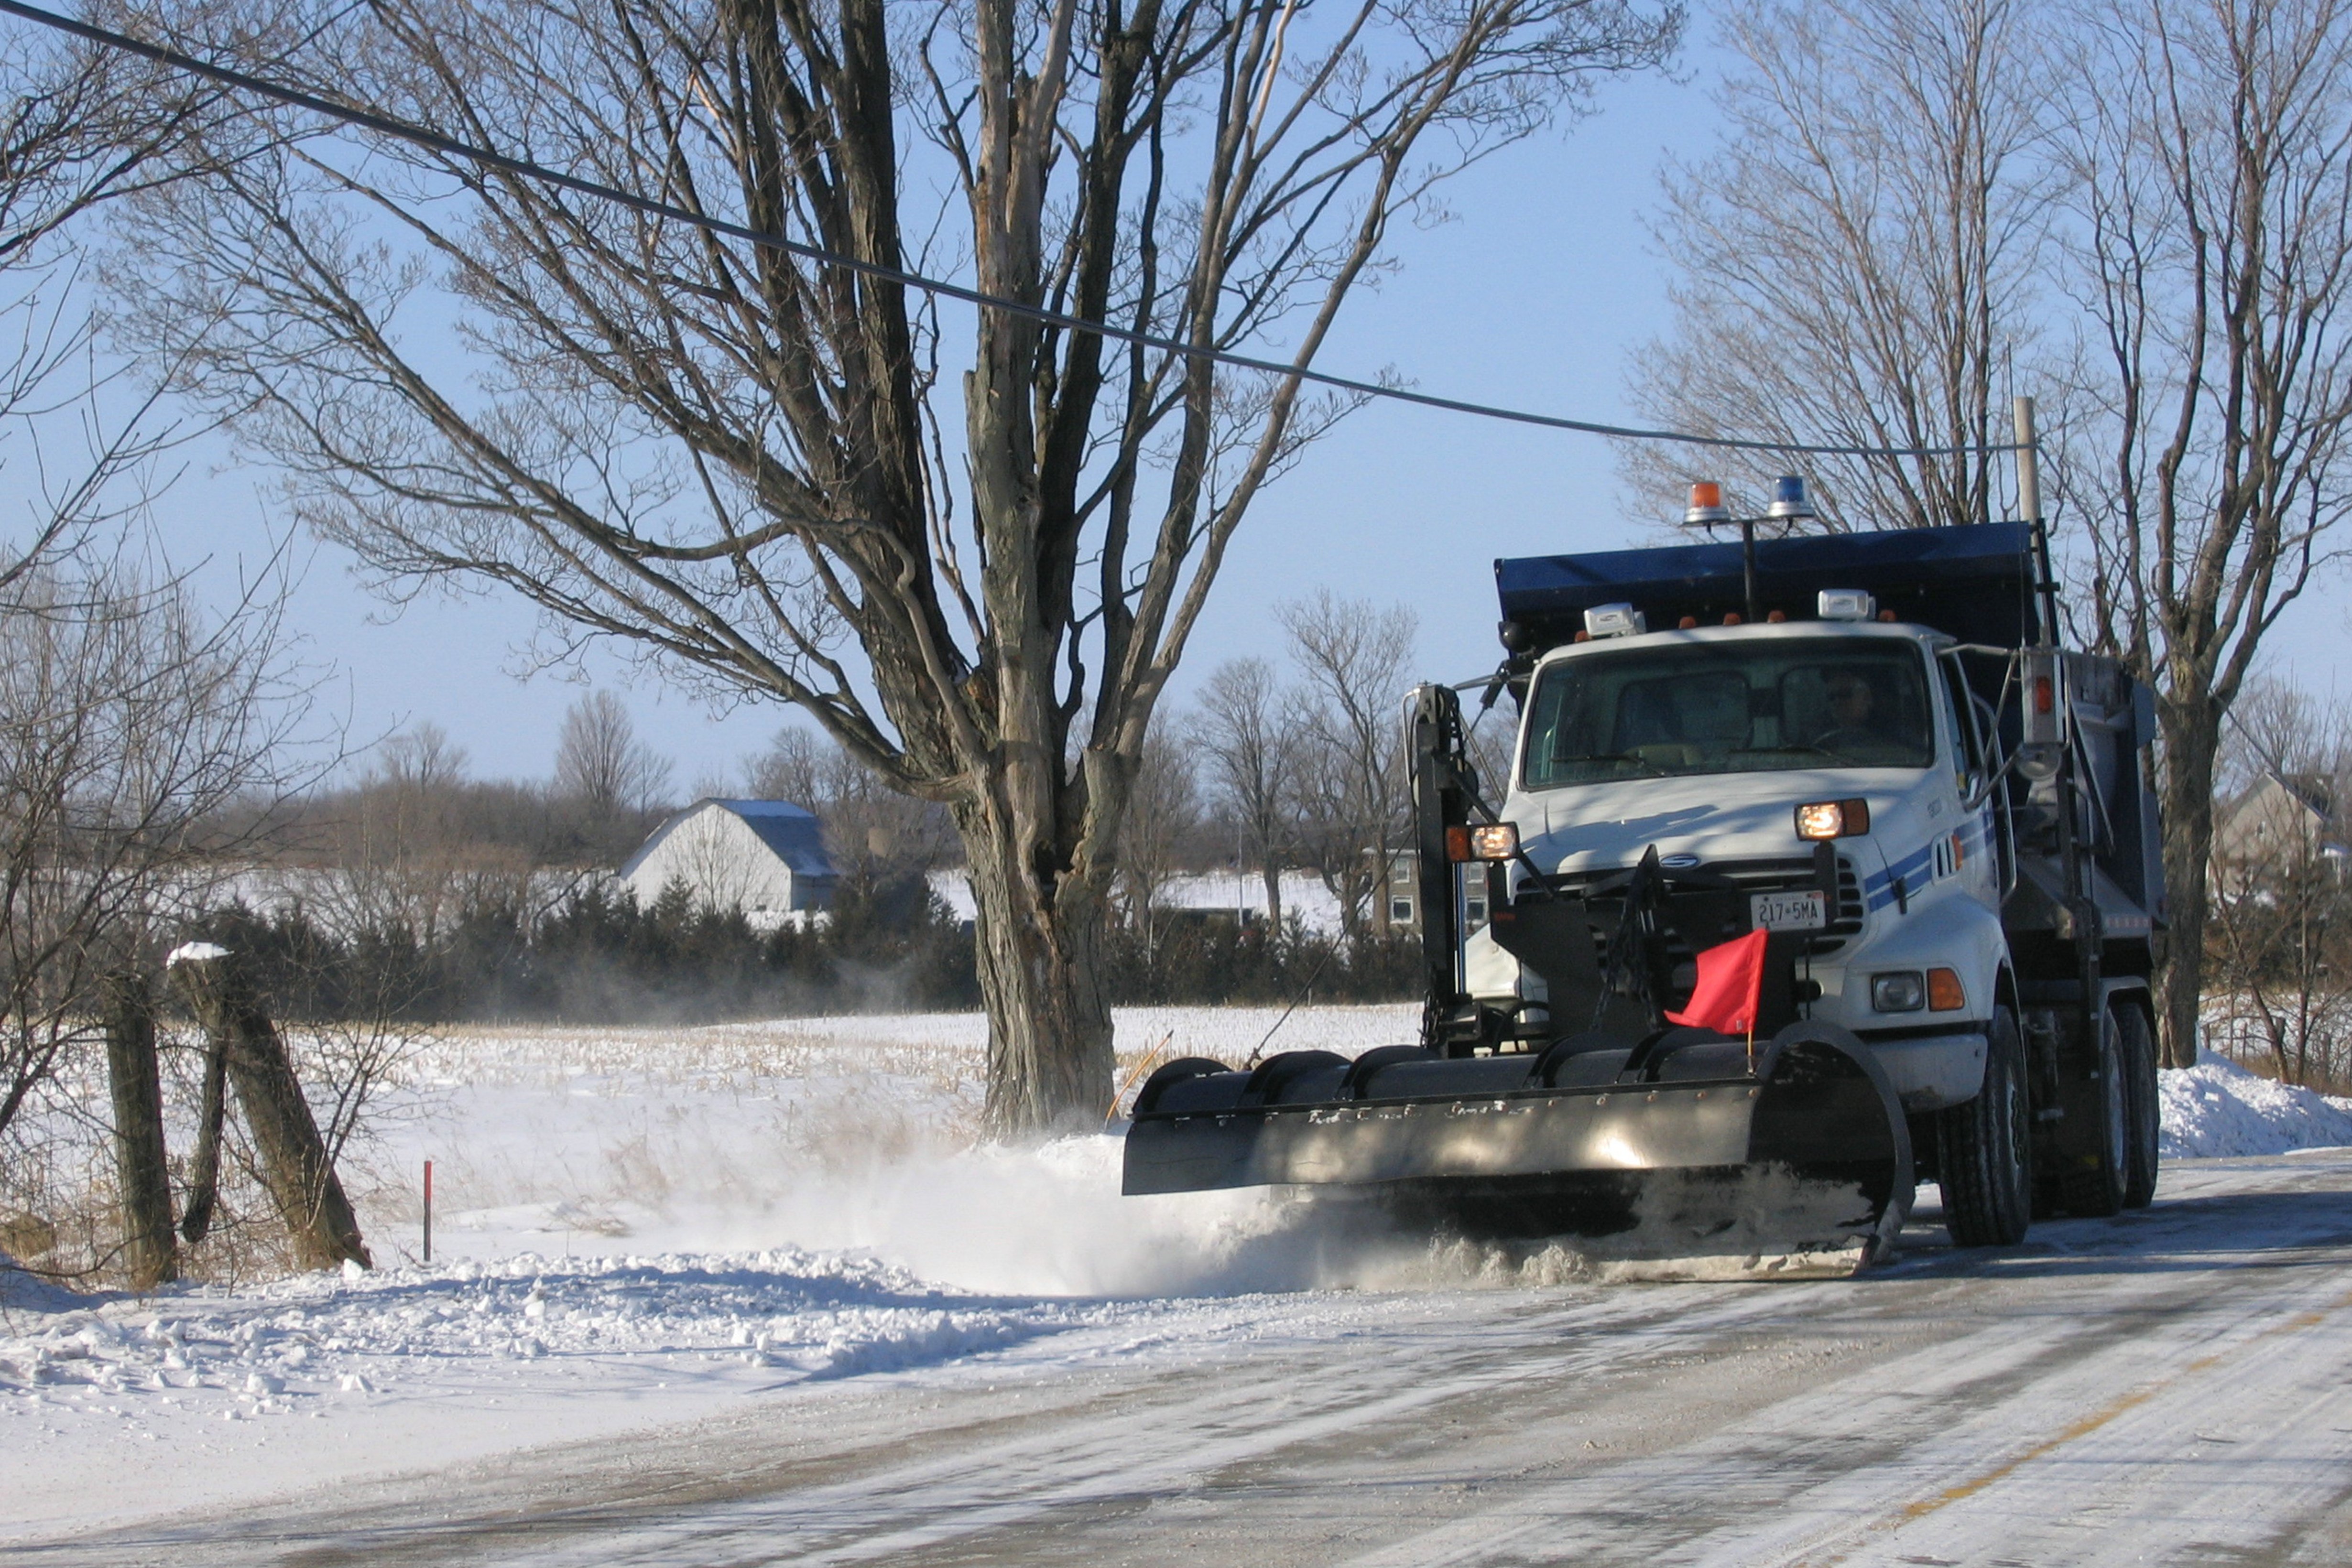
(845, 1135)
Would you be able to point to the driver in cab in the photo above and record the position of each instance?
(1856, 725)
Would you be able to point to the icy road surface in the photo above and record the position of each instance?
(2173, 1386)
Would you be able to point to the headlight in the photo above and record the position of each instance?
(1901, 992)
(1486, 842)
(1945, 992)
(1834, 819)
(1494, 842)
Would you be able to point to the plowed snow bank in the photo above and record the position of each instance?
(2218, 1108)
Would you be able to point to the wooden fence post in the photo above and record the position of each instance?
(294, 1164)
(204, 1165)
(145, 1183)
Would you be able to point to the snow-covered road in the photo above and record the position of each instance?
(2173, 1386)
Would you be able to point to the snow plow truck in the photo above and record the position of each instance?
(1820, 870)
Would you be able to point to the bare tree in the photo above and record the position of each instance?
(1855, 264)
(1352, 658)
(130, 721)
(739, 460)
(407, 852)
(1163, 808)
(2211, 170)
(421, 760)
(1238, 728)
(84, 126)
(599, 759)
(799, 765)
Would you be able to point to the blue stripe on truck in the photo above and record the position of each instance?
(1879, 889)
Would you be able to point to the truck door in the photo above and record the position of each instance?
(1976, 847)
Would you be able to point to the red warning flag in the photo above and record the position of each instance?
(1730, 977)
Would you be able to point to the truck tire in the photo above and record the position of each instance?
(1985, 1148)
(2092, 1184)
(2143, 1106)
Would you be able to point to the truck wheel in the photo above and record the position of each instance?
(2143, 1108)
(2093, 1182)
(1985, 1148)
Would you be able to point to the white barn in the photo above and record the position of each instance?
(762, 857)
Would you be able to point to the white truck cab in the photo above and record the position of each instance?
(1742, 750)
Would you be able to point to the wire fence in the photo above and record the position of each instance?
(2302, 1039)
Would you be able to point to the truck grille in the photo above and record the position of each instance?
(1753, 876)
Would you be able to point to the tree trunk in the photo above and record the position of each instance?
(1272, 870)
(149, 1255)
(2190, 741)
(1050, 1065)
(294, 1164)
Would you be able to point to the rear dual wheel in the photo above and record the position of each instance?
(1986, 1147)
(2129, 1119)
(2096, 1181)
(2143, 1108)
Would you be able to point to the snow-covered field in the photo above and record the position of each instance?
(638, 1227)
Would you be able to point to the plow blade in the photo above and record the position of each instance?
(1681, 1152)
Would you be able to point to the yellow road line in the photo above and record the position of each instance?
(2093, 1422)
(2082, 1427)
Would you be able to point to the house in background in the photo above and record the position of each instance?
(765, 858)
(1398, 899)
(2286, 819)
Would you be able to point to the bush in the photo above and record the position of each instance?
(889, 945)
(602, 958)
(1218, 961)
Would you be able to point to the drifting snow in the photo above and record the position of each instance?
(305, 1380)
(284, 1348)
(851, 1135)
(2218, 1108)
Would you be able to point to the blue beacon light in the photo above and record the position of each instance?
(1789, 500)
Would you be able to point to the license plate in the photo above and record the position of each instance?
(1805, 911)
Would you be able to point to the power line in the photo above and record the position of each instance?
(432, 140)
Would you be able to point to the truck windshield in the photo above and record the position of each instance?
(1727, 708)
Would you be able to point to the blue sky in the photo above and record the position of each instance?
(1535, 296)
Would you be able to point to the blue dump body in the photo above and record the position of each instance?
(1974, 582)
